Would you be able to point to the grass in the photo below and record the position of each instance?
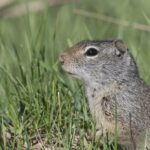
(38, 102)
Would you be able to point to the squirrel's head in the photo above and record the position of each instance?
(98, 60)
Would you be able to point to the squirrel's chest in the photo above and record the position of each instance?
(102, 108)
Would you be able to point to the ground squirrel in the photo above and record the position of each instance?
(114, 89)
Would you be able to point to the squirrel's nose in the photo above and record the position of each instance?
(61, 59)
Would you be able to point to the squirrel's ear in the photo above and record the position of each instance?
(121, 48)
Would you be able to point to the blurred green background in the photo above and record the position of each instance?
(40, 106)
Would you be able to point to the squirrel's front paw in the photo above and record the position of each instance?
(88, 136)
(96, 136)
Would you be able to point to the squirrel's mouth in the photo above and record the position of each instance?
(69, 72)
(72, 74)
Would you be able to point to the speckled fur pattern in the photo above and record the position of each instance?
(118, 98)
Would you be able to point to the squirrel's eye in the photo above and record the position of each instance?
(91, 52)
